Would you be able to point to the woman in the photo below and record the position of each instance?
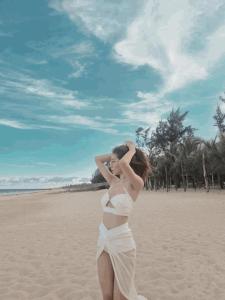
(116, 247)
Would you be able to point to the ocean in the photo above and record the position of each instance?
(18, 191)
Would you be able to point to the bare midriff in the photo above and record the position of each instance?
(111, 220)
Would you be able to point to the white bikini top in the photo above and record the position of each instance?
(123, 203)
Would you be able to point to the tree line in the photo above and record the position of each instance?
(179, 158)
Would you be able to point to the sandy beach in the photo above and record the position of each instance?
(48, 245)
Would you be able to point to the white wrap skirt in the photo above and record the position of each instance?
(119, 243)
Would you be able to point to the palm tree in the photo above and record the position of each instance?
(187, 152)
(165, 139)
(178, 157)
(216, 156)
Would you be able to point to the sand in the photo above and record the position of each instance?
(48, 245)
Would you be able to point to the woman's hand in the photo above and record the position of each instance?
(130, 145)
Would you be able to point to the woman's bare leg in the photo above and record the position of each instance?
(106, 275)
(116, 293)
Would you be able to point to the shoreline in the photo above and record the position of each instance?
(64, 191)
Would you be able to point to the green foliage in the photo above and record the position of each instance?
(178, 157)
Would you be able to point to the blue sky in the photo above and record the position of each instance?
(78, 77)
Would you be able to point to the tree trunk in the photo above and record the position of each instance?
(182, 174)
(155, 184)
(186, 181)
(166, 179)
(220, 180)
(213, 183)
(204, 172)
(176, 182)
(195, 184)
(149, 183)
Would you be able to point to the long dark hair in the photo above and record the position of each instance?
(139, 162)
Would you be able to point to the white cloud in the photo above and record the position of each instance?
(159, 38)
(82, 49)
(106, 20)
(158, 34)
(21, 84)
(46, 89)
(215, 47)
(64, 48)
(44, 163)
(79, 69)
(29, 165)
(21, 125)
(84, 121)
(149, 110)
(27, 182)
(73, 120)
(13, 124)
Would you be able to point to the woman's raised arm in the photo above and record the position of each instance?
(100, 162)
